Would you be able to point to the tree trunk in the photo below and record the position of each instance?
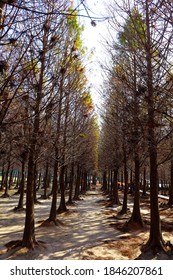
(109, 185)
(2, 178)
(85, 182)
(52, 216)
(104, 181)
(82, 182)
(17, 185)
(155, 241)
(35, 183)
(46, 181)
(94, 179)
(22, 187)
(6, 180)
(170, 202)
(39, 181)
(70, 201)
(115, 197)
(62, 206)
(29, 230)
(124, 207)
(77, 187)
(136, 214)
(10, 179)
(29, 239)
(144, 191)
(66, 184)
(112, 184)
(122, 179)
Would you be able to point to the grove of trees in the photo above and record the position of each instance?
(48, 128)
(136, 137)
(50, 137)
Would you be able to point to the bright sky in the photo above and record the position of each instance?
(92, 37)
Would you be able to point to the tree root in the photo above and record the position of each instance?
(155, 247)
(17, 244)
(50, 223)
(37, 202)
(71, 203)
(44, 197)
(123, 211)
(134, 225)
(18, 209)
(13, 244)
(77, 198)
(5, 195)
(61, 211)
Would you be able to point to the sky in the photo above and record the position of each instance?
(92, 38)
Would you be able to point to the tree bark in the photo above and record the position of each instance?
(46, 181)
(136, 214)
(39, 181)
(85, 182)
(52, 215)
(77, 187)
(155, 241)
(29, 231)
(2, 178)
(115, 196)
(144, 191)
(35, 183)
(70, 201)
(104, 181)
(6, 180)
(124, 207)
(22, 187)
(29, 239)
(62, 206)
(170, 202)
(10, 179)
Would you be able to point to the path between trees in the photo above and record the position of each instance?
(84, 229)
(86, 232)
(85, 226)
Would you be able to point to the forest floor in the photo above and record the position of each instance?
(90, 230)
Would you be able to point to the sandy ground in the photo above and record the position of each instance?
(90, 230)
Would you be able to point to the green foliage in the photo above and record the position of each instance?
(75, 29)
(134, 31)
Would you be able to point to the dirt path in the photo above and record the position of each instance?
(84, 227)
